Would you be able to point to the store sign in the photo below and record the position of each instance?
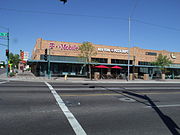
(64, 46)
(173, 56)
(112, 50)
(26, 56)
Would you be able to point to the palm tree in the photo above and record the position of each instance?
(87, 51)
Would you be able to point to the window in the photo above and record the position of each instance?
(99, 60)
(144, 63)
(118, 61)
(143, 70)
(64, 58)
(151, 53)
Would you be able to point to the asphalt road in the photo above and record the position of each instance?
(36, 108)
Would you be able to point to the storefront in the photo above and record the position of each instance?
(64, 59)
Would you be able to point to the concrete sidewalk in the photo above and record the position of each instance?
(28, 76)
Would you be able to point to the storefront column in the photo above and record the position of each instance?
(109, 61)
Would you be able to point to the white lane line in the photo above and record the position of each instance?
(161, 106)
(72, 120)
(4, 82)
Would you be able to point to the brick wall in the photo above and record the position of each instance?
(61, 48)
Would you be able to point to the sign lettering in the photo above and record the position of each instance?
(112, 50)
(173, 56)
(64, 46)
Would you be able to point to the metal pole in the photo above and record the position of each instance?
(129, 42)
(7, 47)
(49, 71)
(7, 71)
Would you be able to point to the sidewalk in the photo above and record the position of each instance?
(28, 76)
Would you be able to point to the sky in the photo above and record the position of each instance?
(155, 24)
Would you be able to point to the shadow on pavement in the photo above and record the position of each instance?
(171, 125)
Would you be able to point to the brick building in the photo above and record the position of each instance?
(64, 59)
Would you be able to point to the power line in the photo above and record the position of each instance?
(133, 10)
(80, 15)
(157, 25)
(55, 13)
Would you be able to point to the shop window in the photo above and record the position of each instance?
(144, 63)
(151, 53)
(143, 70)
(64, 58)
(118, 61)
(174, 65)
(56, 68)
(99, 60)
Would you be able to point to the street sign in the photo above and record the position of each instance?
(3, 34)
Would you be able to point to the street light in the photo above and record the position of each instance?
(129, 36)
(129, 42)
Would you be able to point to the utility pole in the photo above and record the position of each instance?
(129, 37)
(129, 42)
(8, 50)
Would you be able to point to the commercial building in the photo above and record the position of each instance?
(64, 59)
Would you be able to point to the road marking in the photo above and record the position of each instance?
(86, 95)
(134, 88)
(72, 120)
(114, 94)
(130, 100)
(161, 106)
(4, 82)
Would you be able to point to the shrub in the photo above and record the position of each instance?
(12, 74)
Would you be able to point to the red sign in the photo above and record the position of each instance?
(21, 55)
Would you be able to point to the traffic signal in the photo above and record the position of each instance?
(7, 53)
(45, 54)
(64, 1)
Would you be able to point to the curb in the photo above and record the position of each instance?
(84, 80)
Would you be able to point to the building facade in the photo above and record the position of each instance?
(64, 59)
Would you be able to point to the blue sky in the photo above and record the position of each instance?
(104, 22)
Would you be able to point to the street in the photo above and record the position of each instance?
(40, 108)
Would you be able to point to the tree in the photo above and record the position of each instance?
(14, 60)
(162, 61)
(87, 51)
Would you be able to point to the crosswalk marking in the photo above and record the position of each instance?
(72, 120)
